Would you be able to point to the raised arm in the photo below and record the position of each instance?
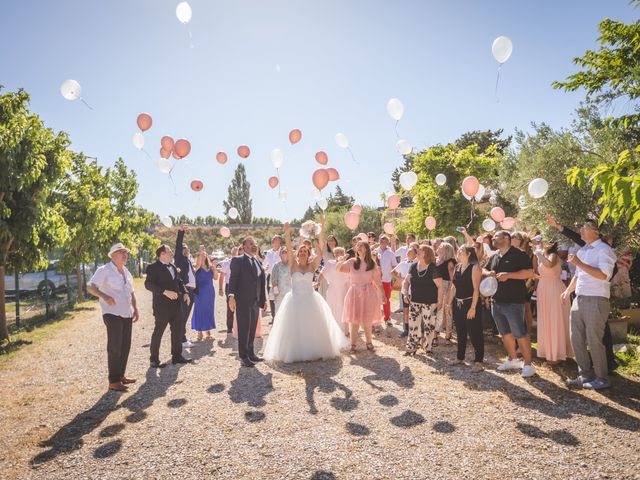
(321, 244)
(567, 232)
(287, 239)
(470, 241)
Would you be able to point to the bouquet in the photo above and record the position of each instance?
(310, 229)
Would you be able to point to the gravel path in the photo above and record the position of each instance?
(366, 416)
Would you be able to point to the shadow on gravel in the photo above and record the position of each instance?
(254, 416)
(385, 369)
(112, 430)
(444, 427)
(559, 436)
(357, 429)
(322, 475)
(389, 400)
(408, 419)
(108, 449)
(216, 388)
(251, 387)
(176, 402)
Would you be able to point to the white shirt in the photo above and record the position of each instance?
(273, 257)
(192, 276)
(225, 267)
(601, 256)
(387, 262)
(110, 282)
(402, 253)
(403, 268)
(255, 262)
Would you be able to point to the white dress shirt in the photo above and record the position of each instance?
(225, 267)
(387, 262)
(273, 257)
(111, 282)
(254, 261)
(402, 253)
(192, 275)
(597, 255)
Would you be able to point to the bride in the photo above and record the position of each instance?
(304, 327)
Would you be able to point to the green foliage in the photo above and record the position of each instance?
(239, 196)
(336, 201)
(484, 139)
(370, 221)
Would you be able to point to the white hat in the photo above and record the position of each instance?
(117, 247)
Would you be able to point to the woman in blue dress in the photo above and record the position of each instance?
(204, 300)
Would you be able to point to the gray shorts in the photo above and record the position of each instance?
(509, 318)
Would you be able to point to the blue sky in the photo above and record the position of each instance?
(260, 68)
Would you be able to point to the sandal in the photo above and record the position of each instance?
(447, 341)
(410, 353)
(477, 367)
(453, 363)
(370, 347)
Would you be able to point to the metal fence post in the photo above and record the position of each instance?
(46, 294)
(66, 275)
(17, 299)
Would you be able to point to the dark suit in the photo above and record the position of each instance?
(184, 264)
(248, 288)
(165, 310)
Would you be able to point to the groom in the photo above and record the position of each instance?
(246, 294)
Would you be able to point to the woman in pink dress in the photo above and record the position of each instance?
(365, 295)
(554, 343)
(337, 288)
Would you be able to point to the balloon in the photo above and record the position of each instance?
(508, 223)
(71, 90)
(501, 49)
(342, 140)
(243, 151)
(363, 237)
(322, 158)
(144, 121)
(357, 209)
(481, 191)
(538, 188)
(441, 179)
(333, 174)
(522, 201)
(225, 232)
(183, 12)
(164, 153)
(404, 147)
(233, 213)
(351, 220)
(283, 196)
(166, 221)
(221, 157)
(430, 223)
(316, 194)
(468, 197)
(470, 185)
(175, 155)
(497, 214)
(320, 178)
(488, 225)
(489, 286)
(295, 136)
(493, 199)
(408, 180)
(138, 140)
(389, 229)
(393, 201)
(182, 147)
(164, 165)
(395, 109)
(277, 158)
(323, 203)
(167, 142)
(273, 182)
(197, 185)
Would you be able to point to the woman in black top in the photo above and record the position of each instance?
(465, 294)
(420, 290)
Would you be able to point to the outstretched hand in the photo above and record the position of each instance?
(184, 227)
(551, 220)
(287, 227)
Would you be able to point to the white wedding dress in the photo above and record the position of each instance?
(304, 327)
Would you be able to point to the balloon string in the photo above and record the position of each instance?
(471, 220)
(397, 134)
(175, 192)
(87, 105)
(147, 154)
(497, 81)
(191, 45)
(352, 156)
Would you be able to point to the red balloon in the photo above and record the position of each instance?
(507, 223)
(322, 158)
(176, 156)
(351, 220)
(273, 182)
(356, 208)
(221, 157)
(497, 214)
(197, 185)
(470, 185)
(320, 178)
(144, 121)
(393, 201)
(430, 223)
(225, 232)
(333, 174)
(295, 136)
(243, 151)
(164, 153)
(182, 147)
(167, 142)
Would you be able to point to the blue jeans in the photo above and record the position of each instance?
(509, 318)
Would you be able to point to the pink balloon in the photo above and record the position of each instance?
(197, 185)
(225, 232)
(322, 158)
(430, 223)
(144, 121)
(363, 237)
(320, 178)
(243, 151)
(508, 223)
(356, 208)
(165, 153)
(167, 142)
(497, 214)
(182, 147)
(175, 155)
(351, 220)
(470, 185)
(333, 174)
(295, 136)
(389, 229)
(221, 157)
(393, 201)
(273, 182)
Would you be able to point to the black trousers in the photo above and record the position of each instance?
(272, 303)
(229, 313)
(118, 344)
(471, 327)
(247, 318)
(185, 311)
(173, 318)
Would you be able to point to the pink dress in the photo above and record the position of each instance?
(362, 305)
(554, 342)
(338, 286)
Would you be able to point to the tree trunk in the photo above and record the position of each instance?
(4, 330)
(80, 282)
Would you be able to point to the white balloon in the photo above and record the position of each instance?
(488, 225)
(404, 147)
(183, 12)
(71, 90)
(277, 157)
(480, 194)
(322, 203)
(233, 213)
(138, 140)
(166, 221)
(522, 201)
(408, 180)
(489, 286)
(501, 49)
(538, 188)
(164, 165)
(342, 140)
(283, 196)
(441, 179)
(316, 194)
(395, 109)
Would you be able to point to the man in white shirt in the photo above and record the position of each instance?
(223, 280)
(113, 285)
(401, 252)
(590, 309)
(387, 260)
(272, 257)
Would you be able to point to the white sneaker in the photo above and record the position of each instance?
(528, 371)
(187, 344)
(514, 364)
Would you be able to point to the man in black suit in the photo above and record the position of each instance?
(188, 277)
(247, 295)
(163, 280)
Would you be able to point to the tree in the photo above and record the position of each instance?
(484, 139)
(239, 196)
(407, 166)
(33, 159)
(339, 199)
(370, 221)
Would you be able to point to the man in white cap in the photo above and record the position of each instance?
(113, 285)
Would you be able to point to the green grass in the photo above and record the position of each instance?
(629, 361)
